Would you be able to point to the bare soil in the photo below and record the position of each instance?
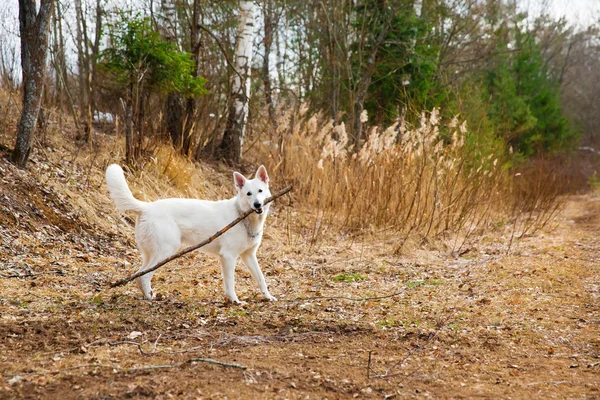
(484, 325)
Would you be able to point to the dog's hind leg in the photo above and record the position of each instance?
(155, 246)
(249, 258)
(143, 281)
(139, 281)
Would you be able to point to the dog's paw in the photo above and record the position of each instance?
(152, 296)
(270, 297)
(234, 300)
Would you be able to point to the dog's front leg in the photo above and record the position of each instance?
(249, 258)
(228, 271)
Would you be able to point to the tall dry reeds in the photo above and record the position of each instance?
(422, 182)
(537, 195)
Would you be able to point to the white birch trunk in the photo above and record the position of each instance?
(168, 20)
(418, 7)
(233, 137)
(268, 25)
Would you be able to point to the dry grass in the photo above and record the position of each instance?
(418, 183)
(537, 194)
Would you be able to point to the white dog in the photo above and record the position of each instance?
(164, 226)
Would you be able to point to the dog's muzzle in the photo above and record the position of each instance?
(258, 210)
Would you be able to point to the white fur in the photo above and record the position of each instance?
(164, 226)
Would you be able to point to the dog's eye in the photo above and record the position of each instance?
(259, 190)
(249, 193)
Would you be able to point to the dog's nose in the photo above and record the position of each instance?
(257, 204)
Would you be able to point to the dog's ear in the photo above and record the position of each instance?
(261, 173)
(239, 180)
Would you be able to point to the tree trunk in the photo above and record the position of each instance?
(141, 119)
(233, 138)
(168, 20)
(173, 119)
(173, 106)
(129, 133)
(34, 28)
(129, 126)
(62, 61)
(191, 103)
(55, 54)
(266, 67)
(80, 36)
(418, 10)
(363, 87)
(91, 104)
(418, 7)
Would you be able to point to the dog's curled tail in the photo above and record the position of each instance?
(119, 190)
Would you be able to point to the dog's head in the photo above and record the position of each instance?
(253, 192)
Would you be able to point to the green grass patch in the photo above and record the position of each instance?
(238, 313)
(394, 323)
(454, 326)
(349, 277)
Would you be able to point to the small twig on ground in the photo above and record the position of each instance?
(27, 274)
(133, 369)
(188, 350)
(31, 274)
(556, 383)
(347, 297)
(210, 361)
(156, 342)
(139, 346)
(257, 339)
(13, 276)
(195, 247)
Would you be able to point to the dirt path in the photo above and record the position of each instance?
(486, 326)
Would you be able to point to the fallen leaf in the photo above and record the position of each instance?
(134, 334)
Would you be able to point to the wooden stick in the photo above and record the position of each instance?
(195, 247)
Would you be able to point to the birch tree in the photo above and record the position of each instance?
(233, 138)
(34, 27)
(269, 26)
